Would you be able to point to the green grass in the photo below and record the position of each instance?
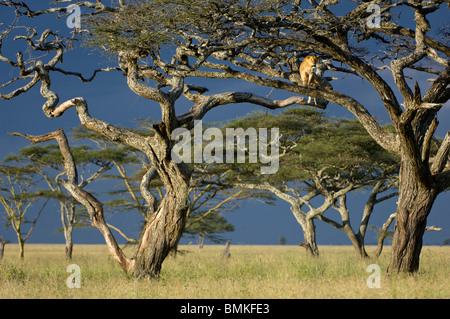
(251, 272)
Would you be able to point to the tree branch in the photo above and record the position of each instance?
(441, 158)
(206, 103)
(93, 205)
(145, 190)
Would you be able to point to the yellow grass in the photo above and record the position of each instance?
(251, 272)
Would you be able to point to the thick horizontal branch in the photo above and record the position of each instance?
(386, 139)
(206, 103)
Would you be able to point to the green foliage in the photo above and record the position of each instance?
(381, 233)
(311, 142)
(146, 26)
(143, 26)
(49, 156)
(212, 224)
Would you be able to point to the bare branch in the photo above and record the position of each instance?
(93, 205)
(427, 140)
(206, 103)
(441, 159)
(84, 79)
(145, 190)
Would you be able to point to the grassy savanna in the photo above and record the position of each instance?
(251, 272)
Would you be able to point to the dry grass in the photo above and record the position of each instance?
(251, 272)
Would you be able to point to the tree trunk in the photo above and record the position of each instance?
(68, 220)
(161, 234)
(201, 239)
(309, 235)
(415, 202)
(69, 242)
(358, 243)
(2, 247)
(226, 253)
(21, 247)
(384, 234)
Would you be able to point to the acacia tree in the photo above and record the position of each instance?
(209, 226)
(322, 161)
(166, 222)
(47, 162)
(261, 42)
(17, 195)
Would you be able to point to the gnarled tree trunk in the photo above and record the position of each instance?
(162, 233)
(415, 202)
(164, 228)
(309, 232)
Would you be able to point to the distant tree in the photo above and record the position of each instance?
(321, 159)
(446, 242)
(208, 227)
(17, 193)
(208, 200)
(282, 240)
(47, 162)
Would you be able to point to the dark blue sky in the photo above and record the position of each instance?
(110, 99)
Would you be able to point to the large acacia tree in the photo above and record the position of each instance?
(263, 42)
(149, 55)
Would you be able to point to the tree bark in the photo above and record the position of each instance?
(383, 234)
(309, 233)
(69, 248)
(226, 253)
(201, 239)
(415, 201)
(21, 247)
(357, 242)
(161, 234)
(68, 214)
(2, 247)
